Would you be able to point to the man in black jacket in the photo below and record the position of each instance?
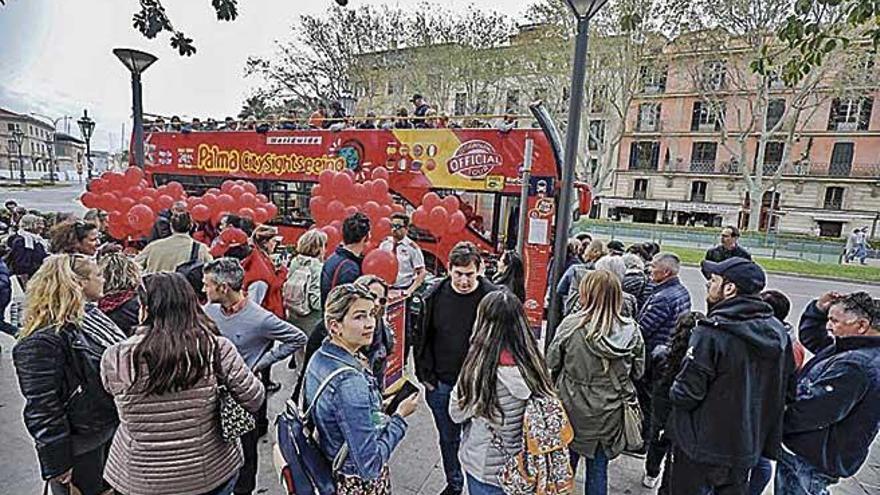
(729, 247)
(729, 397)
(442, 342)
(836, 415)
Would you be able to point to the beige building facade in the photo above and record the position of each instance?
(36, 146)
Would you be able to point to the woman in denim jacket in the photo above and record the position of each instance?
(355, 432)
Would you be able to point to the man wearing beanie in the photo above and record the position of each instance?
(728, 400)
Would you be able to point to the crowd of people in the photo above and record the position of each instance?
(334, 117)
(131, 364)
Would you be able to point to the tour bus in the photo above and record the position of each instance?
(482, 167)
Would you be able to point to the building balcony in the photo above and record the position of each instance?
(801, 169)
(702, 167)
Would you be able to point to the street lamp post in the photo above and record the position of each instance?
(18, 137)
(137, 62)
(53, 166)
(583, 11)
(87, 127)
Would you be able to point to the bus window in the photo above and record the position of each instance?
(193, 184)
(292, 200)
(489, 215)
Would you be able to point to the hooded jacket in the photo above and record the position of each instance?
(594, 378)
(836, 414)
(480, 454)
(729, 397)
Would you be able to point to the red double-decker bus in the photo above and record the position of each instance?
(482, 167)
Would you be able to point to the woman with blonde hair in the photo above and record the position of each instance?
(67, 411)
(302, 290)
(122, 276)
(594, 358)
(348, 408)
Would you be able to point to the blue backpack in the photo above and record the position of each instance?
(304, 468)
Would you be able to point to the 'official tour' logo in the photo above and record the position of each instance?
(474, 159)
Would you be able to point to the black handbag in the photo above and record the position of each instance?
(235, 420)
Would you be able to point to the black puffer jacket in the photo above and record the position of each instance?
(65, 402)
(729, 397)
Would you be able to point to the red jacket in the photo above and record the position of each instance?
(258, 266)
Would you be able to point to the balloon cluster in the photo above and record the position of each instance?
(131, 204)
(338, 196)
(440, 216)
(238, 197)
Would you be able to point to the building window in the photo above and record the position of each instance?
(775, 111)
(640, 189)
(649, 117)
(644, 155)
(772, 156)
(713, 75)
(703, 157)
(512, 105)
(698, 191)
(483, 103)
(460, 104)
(597, 100)
(10, 126)
(834, 198)
(850, 114)
(841, 159)
(597, 134)
(653, 78)
(707, 116)
(395, 87)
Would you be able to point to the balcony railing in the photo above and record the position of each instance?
(640, 194)
(833, 205)
(801, 169)
(698, 198)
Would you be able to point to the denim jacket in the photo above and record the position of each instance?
(349, 411)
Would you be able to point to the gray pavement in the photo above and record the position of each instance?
(61, 197)
(415, 467)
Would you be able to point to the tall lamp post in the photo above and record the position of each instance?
(87, 127)
(583, 10)
(53, 167)
(18, 137)
(137, 62)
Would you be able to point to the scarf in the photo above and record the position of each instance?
(110, 302)
(31, 240)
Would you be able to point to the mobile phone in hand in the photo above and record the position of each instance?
(406, 391)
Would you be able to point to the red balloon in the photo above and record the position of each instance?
(236, 191)
(379, 189)
(247, 213)
(261, 215)
(225, 203)
(382, 264)
(325, 179)
(201, 213)
(387, 211)
(125, 204)
(250, 187)
(117, 231)
(271, 209)
(336, 210)
(379, 173)
(430, 200)
(360, 192)
(457, 222)
(107, 201)
(248, 199)
(116, 181)
(164, 202)
(337, 224)
(450, 203)
(209, 200)
(89, 200)
(99, 186)
(133, 176)
(343, 186)
(227, 186)
(149, 202)
(141, 218)
(438, 217)
(333, 238)
(135, 192)
(318, 208)
(398, 208)
(317, 189)
(261, 198)
(350, 210)
(420, 217)
(372, 210)
(381, 229)
(214, 191)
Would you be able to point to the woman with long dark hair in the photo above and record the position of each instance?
(165, 382)
(511, 274)
(67, 411)
(502, 370)
(595, 356)
(74, 236)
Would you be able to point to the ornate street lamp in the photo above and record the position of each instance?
(87, 127)
(348, 101)
(137, 62)
(583, 10)
(18, 137)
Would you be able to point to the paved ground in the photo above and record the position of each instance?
(62, 197)
(415, 466)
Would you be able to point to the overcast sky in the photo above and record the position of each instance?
(55, 57)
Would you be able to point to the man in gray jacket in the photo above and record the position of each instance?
(253, 330)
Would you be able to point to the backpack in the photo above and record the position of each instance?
(192, 269)
(296, 290)
(304, 469)
(542, 466)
